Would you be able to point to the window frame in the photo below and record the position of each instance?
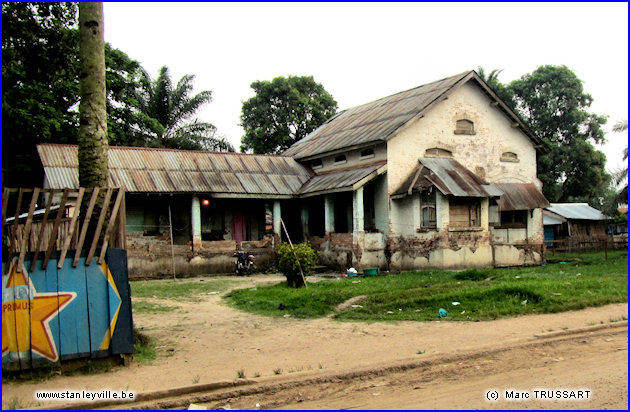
(470, 130)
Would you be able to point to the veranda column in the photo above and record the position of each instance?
(277, 225)
(329, 214)
(357, 210)
(195, 222)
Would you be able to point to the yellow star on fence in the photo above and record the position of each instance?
(26, 322)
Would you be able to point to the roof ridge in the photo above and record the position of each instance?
(171, 150)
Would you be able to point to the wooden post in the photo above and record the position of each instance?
(170, 228)
(294, 254)
(606, 249)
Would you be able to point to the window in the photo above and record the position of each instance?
(428, 217)
(464, 212)
(509, 157)
(317, 164)
(341, 159)
(514, 218)
(367, 154)
(437, 152)
(464, 126)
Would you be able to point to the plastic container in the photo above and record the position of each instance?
(351, 274)
(370, 271)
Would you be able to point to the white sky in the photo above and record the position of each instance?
(360, 52)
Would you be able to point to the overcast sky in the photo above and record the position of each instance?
(360, 52)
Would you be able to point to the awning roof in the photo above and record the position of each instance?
(449, 177)
(550, 218)
(342, 180)
(520, 196)
(580, 211)
(150, 170)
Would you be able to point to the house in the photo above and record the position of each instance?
(573, 224)
(440, 176)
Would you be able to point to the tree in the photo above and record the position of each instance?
(553, 103)
(40, 87)
(166, 113)
(282, 112)
(92, 137)
(492, 79)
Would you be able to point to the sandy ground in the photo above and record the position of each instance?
(207, 341)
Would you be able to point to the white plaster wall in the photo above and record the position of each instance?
(494, 135)
(353, 158)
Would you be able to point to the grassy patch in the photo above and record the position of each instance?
(144, 348)
(147, 307)
(180, 289)
(581, 281)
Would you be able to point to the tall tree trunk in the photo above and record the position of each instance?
(92, 110)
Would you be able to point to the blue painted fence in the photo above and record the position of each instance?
(50, 315)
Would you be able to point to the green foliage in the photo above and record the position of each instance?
(290, 266)
(40, 93)
(40, 85)
(167, 112)
(584, 280)
(284, 111)
(554, 104)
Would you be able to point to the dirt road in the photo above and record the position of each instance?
(207, 341)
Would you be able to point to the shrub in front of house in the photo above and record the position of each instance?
(288, 264)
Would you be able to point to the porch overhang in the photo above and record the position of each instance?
(520, 196)
(449, 177)
(342, 180)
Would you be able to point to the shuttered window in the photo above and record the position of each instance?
(464, 212)
(464, 126)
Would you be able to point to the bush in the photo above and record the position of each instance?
(288, 264)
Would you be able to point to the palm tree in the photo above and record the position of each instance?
(491, 78)
(167, 115)
(92, 138)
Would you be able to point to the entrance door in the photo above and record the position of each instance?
(239, 229)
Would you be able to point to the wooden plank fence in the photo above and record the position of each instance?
(64, 295)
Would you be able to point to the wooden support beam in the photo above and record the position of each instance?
(494, 103)
(99, 226)
(84, 228)
(42, 229)
(52, 241)
(73, 222)
(110, 225)
(27, 231)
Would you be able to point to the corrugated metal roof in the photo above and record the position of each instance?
(581, 211)
(185, 171)
(552, 219)
(449, 177)
(341, 179)
(372, 121)
(377, 120)
(520, 196)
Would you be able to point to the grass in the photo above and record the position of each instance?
(583, 280)
(147, 307)
(144, 348)
(180, 289)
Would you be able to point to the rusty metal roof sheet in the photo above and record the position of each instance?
(520, 196)
(341, 179)
(377, 120)
(579, 211)
(185, 171)
(449, 177)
